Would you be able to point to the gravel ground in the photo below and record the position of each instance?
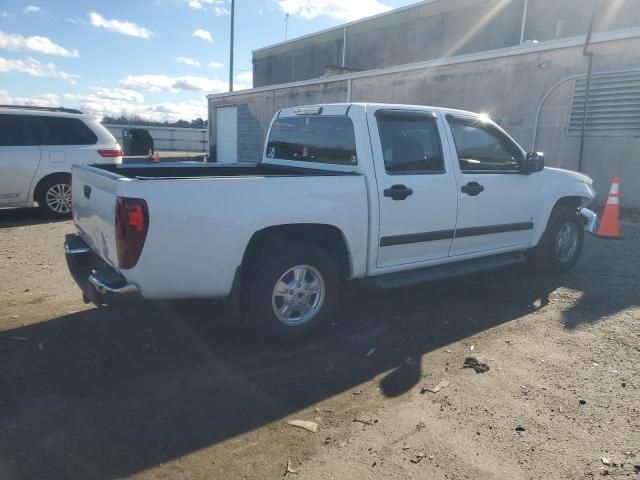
(174, 390)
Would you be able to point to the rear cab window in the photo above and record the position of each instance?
(320, 139)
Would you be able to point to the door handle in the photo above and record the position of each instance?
(398, 192)
(472, 189)
(87, 191)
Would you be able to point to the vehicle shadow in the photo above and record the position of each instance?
(18, 217)
(109, 393)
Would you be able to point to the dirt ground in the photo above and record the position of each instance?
(174, 390)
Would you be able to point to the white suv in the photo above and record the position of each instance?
(38, 147)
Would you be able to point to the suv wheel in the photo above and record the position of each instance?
(54, 196)
(292, 291)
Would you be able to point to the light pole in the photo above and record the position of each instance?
(233, 8)
(286, 25)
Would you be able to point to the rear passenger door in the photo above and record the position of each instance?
(416, 187)
(19, 158)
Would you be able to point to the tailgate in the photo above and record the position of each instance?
(94, 193)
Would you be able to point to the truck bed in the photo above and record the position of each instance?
(168, 171)
(201, 217)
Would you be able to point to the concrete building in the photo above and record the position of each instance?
(521, 61)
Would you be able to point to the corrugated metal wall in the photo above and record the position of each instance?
(169, 138)
(613, 108)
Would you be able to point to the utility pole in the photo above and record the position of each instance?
(233, 8)
(286, 26)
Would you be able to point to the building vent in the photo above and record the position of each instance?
(614, 105)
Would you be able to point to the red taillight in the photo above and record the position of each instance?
(110, 153)
(132, 223)
(135, 217)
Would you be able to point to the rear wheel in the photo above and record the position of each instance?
(54, 196)
(292, 292)
(561, 243)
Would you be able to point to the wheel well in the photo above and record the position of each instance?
(570, 202)
(327, 237)
(38, 190)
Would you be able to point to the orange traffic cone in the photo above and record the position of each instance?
(610, 224)
(153, 157)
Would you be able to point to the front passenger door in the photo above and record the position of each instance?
(497, 205)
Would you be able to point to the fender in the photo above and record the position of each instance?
(556, 185)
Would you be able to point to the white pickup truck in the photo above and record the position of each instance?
(383, 195)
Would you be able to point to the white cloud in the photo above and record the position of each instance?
(174, 111)
(203, 34)
(201, 4)
(17, 43)
(4, 14)
(114, 102)
(188, 61)
(31, 9)
(35, 68)
(164, 83)
(221, 11)
(118, 94)
(44, 100)
(158, 112)
(338, 9)
(216, 65)
(119, 26)
(243, 81)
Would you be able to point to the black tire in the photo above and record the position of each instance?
(547, 255)
(58, 183)
(259, 304)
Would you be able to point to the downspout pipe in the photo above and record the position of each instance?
(534, 142)
(589, 55)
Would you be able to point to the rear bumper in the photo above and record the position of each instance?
(98, 281)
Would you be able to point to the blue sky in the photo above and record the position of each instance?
(152, 58)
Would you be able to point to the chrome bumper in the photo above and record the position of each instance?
(103, 288)
(590, 220)
(97, 280)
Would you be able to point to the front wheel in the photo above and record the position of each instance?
(292, 292)
(561, 243)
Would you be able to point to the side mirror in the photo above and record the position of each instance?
(533, 162)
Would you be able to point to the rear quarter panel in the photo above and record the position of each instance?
(199, 228)
(94, 215)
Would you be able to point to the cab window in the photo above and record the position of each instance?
(321, 139)
(483, 148)
(410, 142)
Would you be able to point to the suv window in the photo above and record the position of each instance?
(410, 142)
(61, 131)
(323, 139)
(482, 147)
(14, 132)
